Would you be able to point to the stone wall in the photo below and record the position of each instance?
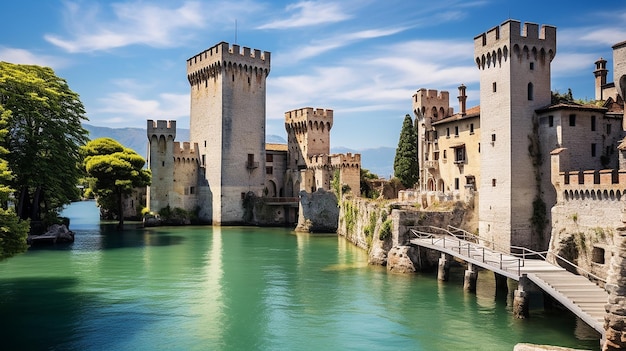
(382, 228)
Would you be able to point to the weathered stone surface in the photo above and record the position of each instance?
(319, 212)
(400, 259)
(378, 256)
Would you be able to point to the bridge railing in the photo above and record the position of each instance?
(466, 244)
(520, 252)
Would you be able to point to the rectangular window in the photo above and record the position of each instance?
(269, 158)
(269, 170)
(456, 183)
(459, 155)
(444, 154)
(572, 120)
(203, 160)
(593, 150)
(471, 128)
(550, 121)
(532, 66)
(608, 128)
(593, 123)
(435, 135)
(436, 155)
(192, 190)
(493, 87)
(493, 138)
(493, 182)
(447, 132)
(456, 131)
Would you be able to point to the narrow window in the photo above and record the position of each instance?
(456, 131)
(192, 190)
(447, 132)
(471, 128)
(456, 183)
(593, 150)
(205, 143)
(478, 147)
(493, 138)
(572, 120)
(435, 136)
(203, 160)
(608, 128)
(493, 86)
(493, 182)
(444, 154)
(593, 123)
(530, 91)
(551, 121)
(233, 77)
(532, 66)
(162, 163)
(269, 158)
(269, 170)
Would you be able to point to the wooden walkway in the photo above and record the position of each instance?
(577, 293)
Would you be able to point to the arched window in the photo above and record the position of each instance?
(530, 91)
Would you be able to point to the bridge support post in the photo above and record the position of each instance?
(443, 271)
(502, 288)
(469, 281)
(520, 301)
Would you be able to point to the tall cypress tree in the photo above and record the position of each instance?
(405, 166)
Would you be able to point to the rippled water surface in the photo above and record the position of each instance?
(240, 288)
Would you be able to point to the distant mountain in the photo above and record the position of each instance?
(378, 161)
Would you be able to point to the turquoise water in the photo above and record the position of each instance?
(240, 288)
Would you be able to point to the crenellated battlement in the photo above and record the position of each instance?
(431, 94)
(308, 118)
(334, 161)
(186, 151)
(212, 61)
(511, 39)
(606, 184)
(161, 127)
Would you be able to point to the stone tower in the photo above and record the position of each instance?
(514, 64)
(161, 135)
(308, 134)
(227, 122)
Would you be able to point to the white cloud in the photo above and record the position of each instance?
(132, 23)
(133, 111)
(21, 56)
(309, 13)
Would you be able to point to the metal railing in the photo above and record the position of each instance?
(521, 253)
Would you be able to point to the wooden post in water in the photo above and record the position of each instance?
(443, 271)
(469, 281)
(520, 301)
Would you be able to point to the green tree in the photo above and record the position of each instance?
(114, 171)
(44, 138)
(366, 189)
(405, 166)
(13, 230)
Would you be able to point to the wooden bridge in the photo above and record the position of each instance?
(577, 293)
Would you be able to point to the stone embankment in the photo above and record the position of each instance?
(382, 228)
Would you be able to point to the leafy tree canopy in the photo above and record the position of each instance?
(13, 230)
(115, 171)
(44, 137)
(405, 166)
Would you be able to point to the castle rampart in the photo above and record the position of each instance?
(498, 43)
(161, 128)
(431, 103)
(214, 60)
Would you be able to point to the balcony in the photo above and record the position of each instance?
(431, 164)
(252, 165)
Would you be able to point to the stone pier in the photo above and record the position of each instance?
(615, 318)
(443, 272)
(469, 281)
(520, 301)
(502, 287)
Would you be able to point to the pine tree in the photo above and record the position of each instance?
(405, 166)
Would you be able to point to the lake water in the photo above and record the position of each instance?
(242, 288)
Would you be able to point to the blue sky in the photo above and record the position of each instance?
(362, 58)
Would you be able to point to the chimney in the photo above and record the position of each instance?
(600, 74)
(462, 99)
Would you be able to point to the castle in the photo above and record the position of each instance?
(497, 155)
(227, 160)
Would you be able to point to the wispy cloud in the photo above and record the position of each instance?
(140, 23)
(22, 56)
(132, 110)
(309, 13)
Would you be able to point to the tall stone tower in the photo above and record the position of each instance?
(227, 122)
(308, 134)
(161, 136)
(514, 64)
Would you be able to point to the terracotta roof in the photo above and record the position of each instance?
(275, 147)
(469, 113)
